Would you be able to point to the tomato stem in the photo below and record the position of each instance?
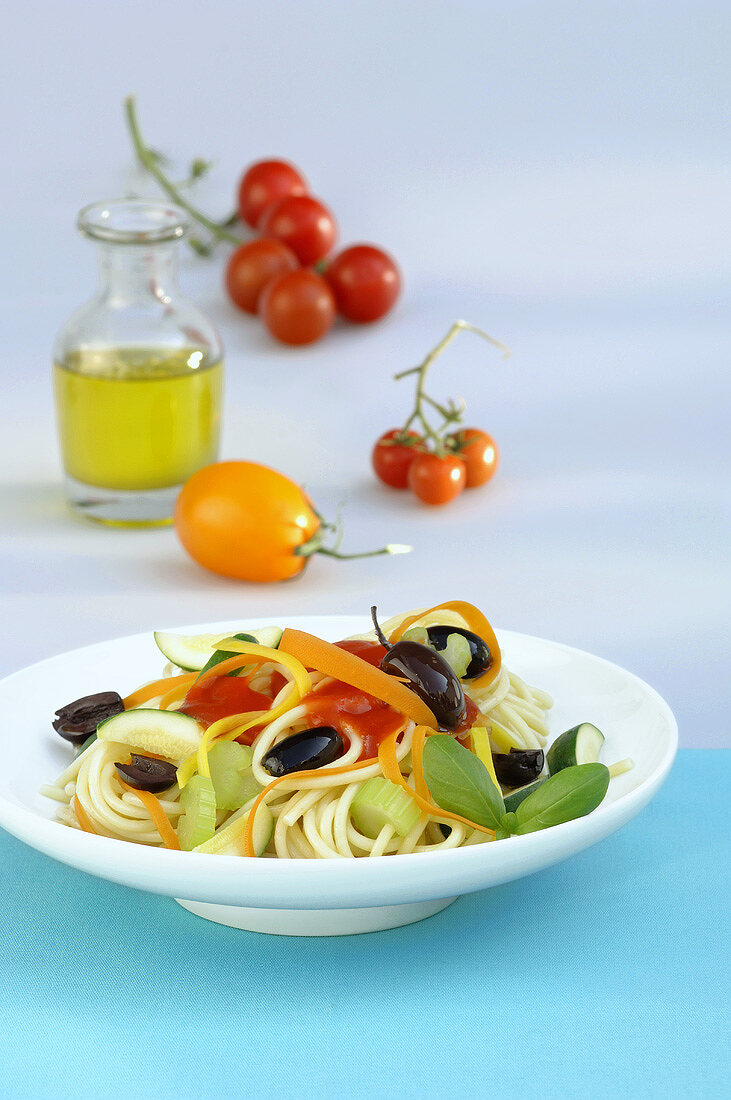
(315, 544)
(150, 161)
(451, 413)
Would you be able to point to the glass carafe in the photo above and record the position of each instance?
(138, 373)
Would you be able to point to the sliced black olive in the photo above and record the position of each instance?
(75, 736)
(304, 751)
(481, 656)
(78, 720)
(519, 767)
(145, 773)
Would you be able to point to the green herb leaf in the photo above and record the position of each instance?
(570, 793)
(460, 782)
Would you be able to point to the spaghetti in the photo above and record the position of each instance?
(312, 810)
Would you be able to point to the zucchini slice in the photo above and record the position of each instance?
(229, 840)
(192, 652)
(164, 732)
(580, 745)
(516, 796)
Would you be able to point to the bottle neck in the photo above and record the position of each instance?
(130, 273)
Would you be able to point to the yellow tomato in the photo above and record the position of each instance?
(244, 520)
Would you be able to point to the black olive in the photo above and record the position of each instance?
(145, 773)
(481, 657)
(431, 678)
(519, 767)
(78, 720)
(428, 675)
(304, 751)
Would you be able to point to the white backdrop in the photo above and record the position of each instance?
(555, 172)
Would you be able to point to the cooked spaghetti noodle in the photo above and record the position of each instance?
(311, 810)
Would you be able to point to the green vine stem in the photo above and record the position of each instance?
(315, 545)
(150, 161)
(452, 412)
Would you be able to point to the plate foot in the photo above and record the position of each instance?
(316, 922)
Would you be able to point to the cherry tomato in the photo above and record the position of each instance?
(298, 307)
(365, 282)
(479, 452)
(304, 224)
(392, 460)
(244, 520)
(267, 182)
(252, 266)
(436, 479)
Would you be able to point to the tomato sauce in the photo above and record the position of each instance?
(351, 711)
(372, 652)
(220, 696)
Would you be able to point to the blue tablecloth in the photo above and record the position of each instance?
(605, 976)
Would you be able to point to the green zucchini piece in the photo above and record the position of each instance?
(516, 796)
(380, 802)
(231, 774)
(229, 839)
(164, 732)
(192, 652)
(579, 745)
(197, 823)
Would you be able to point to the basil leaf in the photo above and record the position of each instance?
(572, 792)
(460, 782)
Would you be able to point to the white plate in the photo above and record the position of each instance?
(324, 897)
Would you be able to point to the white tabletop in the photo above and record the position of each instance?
(551, 172)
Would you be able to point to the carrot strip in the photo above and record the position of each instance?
(157, 687)
(417, 755)
(476, 622)
(389, 764)
(249, 831)
(350, 669)
(82, 818)
(158, 815)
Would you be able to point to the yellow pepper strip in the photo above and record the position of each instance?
(476, 622)
(481, 749)
(228, 729)
(501, 738)
(158, 687)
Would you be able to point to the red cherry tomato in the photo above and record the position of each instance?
(264, 183)
(365, 282)
(298, 307)
(392, 459)
(479, 452)
(304, 224)
(436, 479)
(252, 266)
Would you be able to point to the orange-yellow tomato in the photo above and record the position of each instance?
(246, 521)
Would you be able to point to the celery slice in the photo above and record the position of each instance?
(197, 822)
(380, 802)
(229, 839)
(231, 775)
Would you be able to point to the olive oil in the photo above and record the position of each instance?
(137, 418)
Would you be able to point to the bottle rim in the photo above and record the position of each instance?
(132, 221)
